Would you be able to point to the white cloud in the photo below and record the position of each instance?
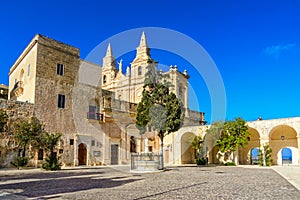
(276, 50)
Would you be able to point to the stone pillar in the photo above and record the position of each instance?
(142, 147)
(298, 143)
(88, 156)
(262, 143)
(236, 157)
(138, 145)
(146, 145)
(75, 151)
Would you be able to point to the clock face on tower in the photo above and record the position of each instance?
(139, 94)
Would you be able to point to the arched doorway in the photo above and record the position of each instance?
(214, 156)
(245, 153)
(286, 156)
(281, 137)
(254, 156)
(187, 152)
(82, 154)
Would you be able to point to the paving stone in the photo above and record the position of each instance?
(176, 183)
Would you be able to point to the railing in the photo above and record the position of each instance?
(17, 90)
(95, 116)
(286, 161)
(254, 160)
(145, 161)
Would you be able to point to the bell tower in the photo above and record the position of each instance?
(139, 67)
(109, 70)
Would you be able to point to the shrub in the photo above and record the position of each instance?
(200, 161)
(20, 162)
(230, 164)
(52, 163)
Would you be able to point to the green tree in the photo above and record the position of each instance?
(27, 133)
(159, 108)
(265, 156)
(233, 135)
(197, 144)
(52, 160)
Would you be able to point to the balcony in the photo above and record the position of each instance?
(95, 116)
(17, 91)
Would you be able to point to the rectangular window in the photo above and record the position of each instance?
(61, 101)
(41, 154)
(93, 142)
(71, 141)
(28, 70)
(60, 69)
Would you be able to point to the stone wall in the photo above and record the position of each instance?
(14, 109)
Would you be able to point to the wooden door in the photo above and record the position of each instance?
(82, 153)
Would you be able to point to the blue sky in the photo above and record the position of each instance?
(255, 44)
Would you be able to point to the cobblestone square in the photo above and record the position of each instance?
(174, 183)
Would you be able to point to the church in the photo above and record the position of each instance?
(94, 107)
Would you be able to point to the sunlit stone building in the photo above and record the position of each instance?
(95, 107)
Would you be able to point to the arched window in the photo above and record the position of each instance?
(104, 79)
(139, 70)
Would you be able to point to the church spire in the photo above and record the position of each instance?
(109, 61)
(143, 41)
(143, 51)
(109, 51)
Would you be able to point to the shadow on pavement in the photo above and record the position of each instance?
(56, 183)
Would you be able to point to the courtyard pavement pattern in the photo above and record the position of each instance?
(188, 182)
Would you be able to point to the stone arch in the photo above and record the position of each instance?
(177, 151)
(187, 152)
(282, 136)
(253, 142)
(294, 156)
